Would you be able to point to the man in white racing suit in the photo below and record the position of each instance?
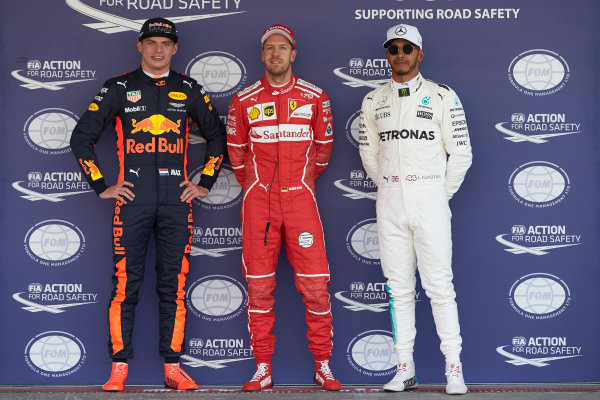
(414, 144)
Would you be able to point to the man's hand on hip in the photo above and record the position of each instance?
(192, 191)
(120, 191)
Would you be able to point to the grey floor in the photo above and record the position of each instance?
(483, 392)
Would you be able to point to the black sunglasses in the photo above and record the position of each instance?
(406, 49)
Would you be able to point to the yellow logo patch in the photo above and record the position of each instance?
(269, 110)
(177, 95)
(254, 113)
(94, 171)
(156, 124)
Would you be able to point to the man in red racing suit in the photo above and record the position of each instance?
(279, 139)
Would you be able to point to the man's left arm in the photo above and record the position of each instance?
(212, 129)
(455, 136)
(323, 131)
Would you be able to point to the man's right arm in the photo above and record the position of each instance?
(88, 130)
(237, 139)
(368, 139)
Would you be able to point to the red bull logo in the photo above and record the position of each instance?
(167, 125)
(213, 164)
(118, 230)
(156, 124)
(90, 168)
(161, 146)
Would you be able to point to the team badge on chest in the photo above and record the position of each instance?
(299, 110)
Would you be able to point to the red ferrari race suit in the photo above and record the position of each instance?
(279, 140)
(150, 116)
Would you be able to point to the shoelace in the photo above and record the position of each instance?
(175, 370)
(401, 369)
(454, 371)
(326, 371)
(261, 372)
(119, 369)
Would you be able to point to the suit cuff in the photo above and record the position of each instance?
(99, 186)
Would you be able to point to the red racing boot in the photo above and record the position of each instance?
(118, 377)
(262, 379)
(324, 377)
(176, 378)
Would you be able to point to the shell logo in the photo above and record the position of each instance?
(254, 113)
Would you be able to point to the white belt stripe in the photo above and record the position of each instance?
(312, 275)
(260, 276)
(320, 313)
(237, 145)
(261, 311)
(323, 141)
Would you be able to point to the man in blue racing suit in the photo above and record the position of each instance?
(149, 108)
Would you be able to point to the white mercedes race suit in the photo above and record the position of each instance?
(415, 145)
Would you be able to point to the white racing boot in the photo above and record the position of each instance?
(404, 379)
(454, 378)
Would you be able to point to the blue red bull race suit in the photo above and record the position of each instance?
(150, 117)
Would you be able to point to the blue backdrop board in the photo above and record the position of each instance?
(525, 222)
